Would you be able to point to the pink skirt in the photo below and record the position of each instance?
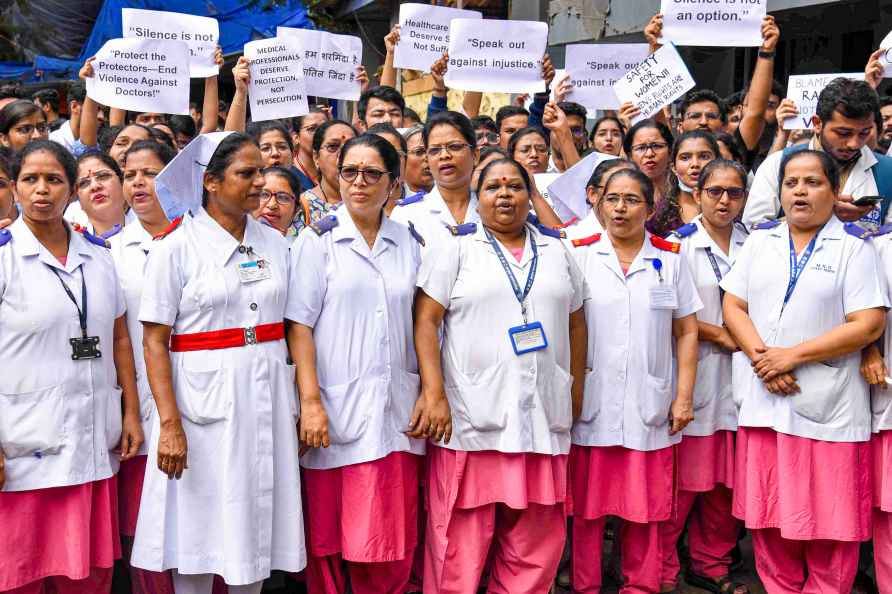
(808, 489)
(130, 479)
(475, 479)
(881, 444)
(616, 481)
(704, 462)
(61, 531)
(366, 512)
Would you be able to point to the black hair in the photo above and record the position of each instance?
(384, 149)
(7, 161)
(257, 129)
(319, 134)
(132, 115)
(15, 112)
(485, 122)
(387, 128)
(831, 172)
(571, 108)
(700, 96)
(164, 153)
(506, 161)
(517, 136)
(732, 144)
(161, 136)
(77, 91)
(885, 101)
(410, 132)
(59, 152)
(454, 119)
(223, 157)
(382, 93)
(298, 121)
(647, 186)
(604, 167)
(48, 97)
(11, 90)
(706, 137)
(507, 111)
(607, 118)
(289, 178)
(182, 124)
(777, 89)
(716, 165)
(107, 136)
(734, 99)
(854, 99)
(104, 158)
(489, 150)
(411, 114)
(660, 127)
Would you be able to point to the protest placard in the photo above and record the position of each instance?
(567, 192)
(804, 91)
(886, 59)
(330, 62)
(278, 88)
(734, 23)
(593, 68)
(142, 75)
(424, 34)
(658, 80)
(201, 34)
(496, 56)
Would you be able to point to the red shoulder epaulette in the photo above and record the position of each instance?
(586, 240)
(572, 221)
(170, 228)
(666, 246)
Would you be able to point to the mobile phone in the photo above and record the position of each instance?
(868, 201)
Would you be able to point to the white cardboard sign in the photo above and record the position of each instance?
(718, 23)
(142, 75)
(330, 62)
(567, 192)
(658, 80)
(804, 90)
(277, 88)
(496, 56)
(593, 68)
(201, 34)
(424, 34)
(886, 59)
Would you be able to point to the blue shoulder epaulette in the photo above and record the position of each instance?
(90, 237)
(417, 197)
(685, 230)
(463, 229)
(324, 225)
(857, 231)
(766, 225)
(5, 236)
(532, 219)
(111, 232)
(556, 233)
(416, 234)
(742, 227)
(881, 231)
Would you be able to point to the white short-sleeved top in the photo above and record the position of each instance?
(500, 400)
(714, 407)
(881, 400)
(630, 377)
(589, 225)
(840, 278)
(432, 218)
(358, 301)
(59, 418)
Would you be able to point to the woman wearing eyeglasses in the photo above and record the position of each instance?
(21, 122)
(418, 173)
(649, 145)
(705, 456)
(278, 200)
(100, 207)
(531, 148)
(641, 365)
(303, 128)
(350, 330)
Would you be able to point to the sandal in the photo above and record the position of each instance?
(722, 585)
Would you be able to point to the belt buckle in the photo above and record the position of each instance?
(250, 335)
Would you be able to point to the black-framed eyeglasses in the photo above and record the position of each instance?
(716, 192)
(283, 198)
(490, 137)
(371, 176)
(653, 146)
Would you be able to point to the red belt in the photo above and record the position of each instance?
(226, 339)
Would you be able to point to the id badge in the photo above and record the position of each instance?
(85, 348)
(527, 338)
(249, 272)
(663, 297)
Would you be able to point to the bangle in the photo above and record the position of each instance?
(766, 54)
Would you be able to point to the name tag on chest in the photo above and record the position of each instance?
(249, 272)
(663, 297)
(527, 338)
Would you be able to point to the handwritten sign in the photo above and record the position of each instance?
(142, 75)
(277, 88)
(568, 190)
(330, 62)
(593, 68)
(496, 56)
(201, 34)
(424, 34)
(734, 23)
(886, 59)
(659, 80)
(804, 90)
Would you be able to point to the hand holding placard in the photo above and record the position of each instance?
(201, 34)
(423, 34)
(593, 69)
(329, 63)
(276, 89)
(804, 91)
(712, 23)
(657, 81)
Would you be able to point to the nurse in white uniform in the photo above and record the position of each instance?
(641, 329)
(705, 456)
(802, 301)
(100, 206)
(213, 307)
(591, 224)
(67, 369)
(350, 329)
(508, 298)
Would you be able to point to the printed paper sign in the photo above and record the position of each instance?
(142, 75)
(659, 80)
(277, 88)
(330, 62)
(886, 59)
(201, 34)
(720, 23)
(804, 91)
(424, 34)
(496, 56)
(568, 191)
(593, 69)
(542, 181)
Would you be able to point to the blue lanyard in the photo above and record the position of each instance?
(716, 270)
(521, 297)
(796, 268)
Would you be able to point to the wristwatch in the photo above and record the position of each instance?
(766, 54)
